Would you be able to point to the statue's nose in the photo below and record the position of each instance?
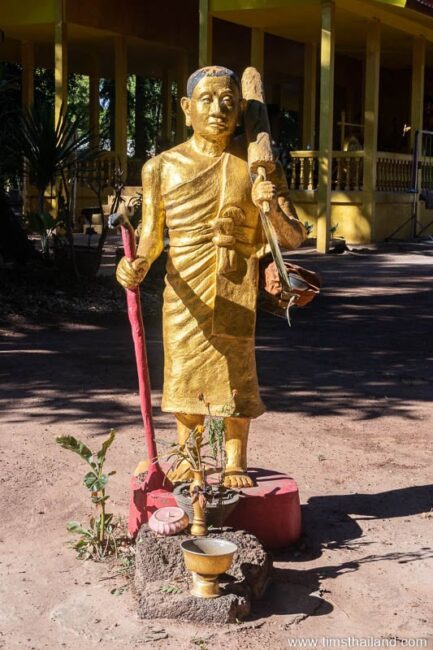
(215, 108)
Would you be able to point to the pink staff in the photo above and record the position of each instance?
(154, 490)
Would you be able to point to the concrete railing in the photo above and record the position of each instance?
(347, 170)
(393, 172)
(104, 167)
(99, 171)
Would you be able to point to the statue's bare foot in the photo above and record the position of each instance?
(237, 478)
(181, 474)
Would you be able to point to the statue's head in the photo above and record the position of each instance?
(213, 102)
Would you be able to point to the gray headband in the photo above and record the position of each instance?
(210, 71)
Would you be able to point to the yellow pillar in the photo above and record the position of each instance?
(94, 101)
(258, 49)
(205, 35)
(371, 115)
(327, 56)
(60, 67)
(417, 94)
(167, 101)
(120, 105)
(181, 78)
(309, 105)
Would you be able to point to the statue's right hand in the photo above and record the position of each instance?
(130, 274)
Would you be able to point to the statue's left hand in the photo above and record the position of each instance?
(262, 192)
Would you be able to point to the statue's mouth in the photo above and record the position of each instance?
(219, 123)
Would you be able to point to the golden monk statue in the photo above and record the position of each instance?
(202, 192)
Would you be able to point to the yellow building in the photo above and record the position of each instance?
(353, 74)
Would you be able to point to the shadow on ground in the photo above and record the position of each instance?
(331, 522)
(363, 348)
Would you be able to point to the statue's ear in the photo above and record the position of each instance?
(185, 103)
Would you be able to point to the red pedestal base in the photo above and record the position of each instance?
(271, 510)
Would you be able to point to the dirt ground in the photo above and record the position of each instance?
(349, 393)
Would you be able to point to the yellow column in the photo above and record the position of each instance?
(371, 114)
(327, 55)
(167, 101)
(309, 105)
(205, 35)
(94, 101)
(181, 78)
(417, 94)
(60, 67)
(258, 49)
(120, 106)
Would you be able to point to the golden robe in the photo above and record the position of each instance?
(209, 310)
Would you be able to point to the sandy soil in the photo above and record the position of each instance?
(349, 392)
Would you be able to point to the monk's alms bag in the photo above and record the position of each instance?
(274, 294)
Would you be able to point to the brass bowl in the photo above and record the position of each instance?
(207, 559)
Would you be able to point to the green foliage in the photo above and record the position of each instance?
(215, 427)
(98, 540)
(333, 229)
(308, 227)
(78, 99)
(204, 448)
(43, 224)
(51, 150)
(148, 116)
(44, 87)
(10, 98)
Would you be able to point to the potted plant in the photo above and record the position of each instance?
(204, 498)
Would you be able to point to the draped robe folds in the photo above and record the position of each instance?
(209, 319)
(209, 315)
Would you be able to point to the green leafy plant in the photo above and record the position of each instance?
(204, 451)
(98, 540)
(51, 149)
(308, 227)
(53, 154)
(215, 426)
(333, 229)
(43, 224)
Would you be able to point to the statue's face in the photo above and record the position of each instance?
(213, 108)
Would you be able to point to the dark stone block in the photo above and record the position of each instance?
(163, 583)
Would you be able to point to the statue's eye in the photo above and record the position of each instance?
(206, 99)
(227, 100)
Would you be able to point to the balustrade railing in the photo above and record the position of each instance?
(98, 171)
(103, 169)
(394, 172)
(347, 170)
(303, 172)
(426, 173)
